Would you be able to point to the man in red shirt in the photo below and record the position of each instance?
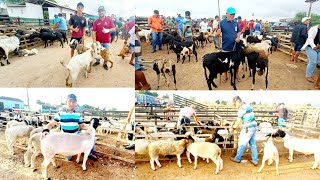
(251, 26)
(241, 26)
(101, 30)
(77, 25)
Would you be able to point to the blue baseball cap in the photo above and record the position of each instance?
(231, 10)
(72, 97)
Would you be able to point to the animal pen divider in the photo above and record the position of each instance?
(296, 125)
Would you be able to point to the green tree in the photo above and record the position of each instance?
(315, 18)
(193, 98)
(40, 102)
(217, 102)
(253, 103)
(223, 102)
(113, 109)
(224, 16)
(308, 104)
(154, 94)
(166, 96)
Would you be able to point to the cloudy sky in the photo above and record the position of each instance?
(269, 97)
(121, 8)
(120, 98)
(262, 9)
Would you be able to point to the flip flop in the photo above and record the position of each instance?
(310, 79)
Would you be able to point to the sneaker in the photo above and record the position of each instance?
(234, 160)
(93, 157)
(255, 164)
(105, 66)
(96, 64)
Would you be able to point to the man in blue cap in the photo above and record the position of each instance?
(70, 121)
(230, 33)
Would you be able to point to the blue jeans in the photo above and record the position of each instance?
(156, 39)
(244, 139)
(105, 45)
(313, 59)
(180, 31)
(70, 157)
(136, 63)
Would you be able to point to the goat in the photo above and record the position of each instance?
(80, 61)
(167, 68)
(270, 153)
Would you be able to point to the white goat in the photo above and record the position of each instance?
(166, 147)
(270, 153)
(80, 61)
(12, 133)
(16, 123)
(306, 146)
(26, 52)
(205, 150)
(146, 33)
(68, 144)
(9, 44)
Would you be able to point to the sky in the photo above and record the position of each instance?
(270, 10)
(269, 97)
(121, 8)
(120, 98)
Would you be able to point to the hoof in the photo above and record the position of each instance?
(34, 170)
(216, 173)
(58, 167)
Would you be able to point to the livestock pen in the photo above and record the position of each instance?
(113, 160)
(302, 122)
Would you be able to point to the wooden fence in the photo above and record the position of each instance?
(286, 46)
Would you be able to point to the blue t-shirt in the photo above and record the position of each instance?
(179, 20)
(245, 112)
(229, 31)
(69, 122)
(258, 27)
(62, 24)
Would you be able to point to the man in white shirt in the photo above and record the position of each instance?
(203, 26)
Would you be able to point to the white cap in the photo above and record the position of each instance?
(305, 18)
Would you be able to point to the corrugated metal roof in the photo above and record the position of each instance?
(10, 98)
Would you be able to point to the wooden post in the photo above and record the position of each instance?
(303, 117)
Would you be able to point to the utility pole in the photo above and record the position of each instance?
(28, 100)
(219, 8)
(311, 2)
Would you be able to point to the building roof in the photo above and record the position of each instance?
(10, 99)
(41, 2)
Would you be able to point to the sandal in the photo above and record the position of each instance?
(310, 79)
(224, 80)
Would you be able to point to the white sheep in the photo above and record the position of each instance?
(306, 146)
(166, 147)
(67, 144)
(9, 44)
(80, 61)
(205, 150)
(141, 146)
(33, 149)
(146, 33)
(270, 153)
(16, 123)
(12, 133)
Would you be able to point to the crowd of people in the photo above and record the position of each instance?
(226, 34)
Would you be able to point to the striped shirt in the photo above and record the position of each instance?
(246, 113)
(69, 122)
(187, 23)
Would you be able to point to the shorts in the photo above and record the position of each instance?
(297, 47)
(131, 48)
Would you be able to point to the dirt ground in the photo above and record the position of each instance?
(190, 75)
(12, 167)
(45, 70)
(298, 169)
